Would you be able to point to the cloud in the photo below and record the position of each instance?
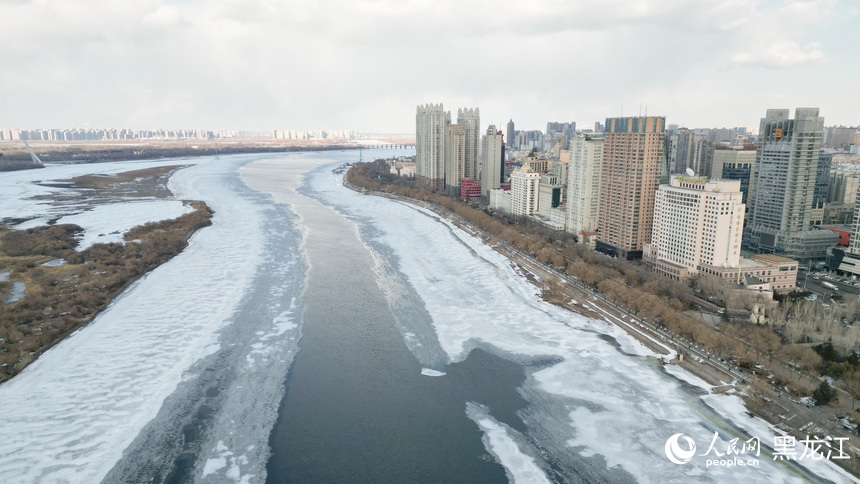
(781, 54)
(365, 64)
(162, 16)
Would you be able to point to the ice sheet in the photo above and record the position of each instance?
(519, 467)
(71, 413)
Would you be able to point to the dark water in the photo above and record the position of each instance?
(357, 408)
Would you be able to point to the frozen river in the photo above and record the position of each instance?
(313, 334)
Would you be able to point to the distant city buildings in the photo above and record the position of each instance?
(313, 134)
(112, 134)
(841, 137)
(611, 187)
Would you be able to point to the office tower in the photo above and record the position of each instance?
(511, 139)
(783, 185)
(697, 223)
(471, 120)
(455, 158)
(493, 160)
(734, 164)
(431, 123)
(703, 157)
(685, 151)
(822, 180)
(598, 127)
(583, 184)
(634, 161)
(524, 191)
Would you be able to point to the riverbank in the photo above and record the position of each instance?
(66, 283)
(702, 369)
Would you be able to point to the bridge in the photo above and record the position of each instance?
(388, 146)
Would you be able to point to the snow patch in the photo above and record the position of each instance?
(519, 466)
(108, 223)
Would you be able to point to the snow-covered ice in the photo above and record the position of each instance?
(108, 223)
(497, 439)
(70, 414)
(431, 372)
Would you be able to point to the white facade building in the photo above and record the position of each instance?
(697, 223)
(583, 183)
(524, 191)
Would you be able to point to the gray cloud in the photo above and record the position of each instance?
(265, 64)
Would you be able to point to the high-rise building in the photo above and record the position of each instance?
(493, 160)
(697, 223)
(455, 158)
(511, 139)
(583, 184)
(634, 163)
(703, 157)
(471, 120)
(431, 127)
(734, 164)
(685, 151)
(524, 191)
(822, 180)
(783, 184)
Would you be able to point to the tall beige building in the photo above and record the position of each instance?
(697, 223)
(634, 162)
(431, 128)
(455, 158)
(470, 119)
(493, 159)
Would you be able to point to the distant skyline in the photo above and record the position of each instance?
(257, 65)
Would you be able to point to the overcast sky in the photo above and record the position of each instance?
(365, 64)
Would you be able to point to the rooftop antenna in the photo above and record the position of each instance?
(33, 155)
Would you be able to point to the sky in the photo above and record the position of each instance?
(365, 65)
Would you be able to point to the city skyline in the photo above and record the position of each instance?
(256, 66)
